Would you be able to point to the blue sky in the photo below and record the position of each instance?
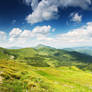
(57, 23)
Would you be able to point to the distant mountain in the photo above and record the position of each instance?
(42, 46)
(68, 49)
(84, 50)
(14, 48)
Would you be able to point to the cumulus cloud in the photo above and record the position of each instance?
(25, 34)
(41, 30)
(48, 9)
(43, 35)
(15, 32)
(76, 37)
(18, 36)
(44, 11)
(82, 34)
(32, 3)
(76, 17)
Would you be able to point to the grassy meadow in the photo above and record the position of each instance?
(44, 69)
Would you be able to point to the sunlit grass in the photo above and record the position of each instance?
(19, 77)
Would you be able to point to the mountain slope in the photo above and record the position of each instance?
(20, 77)
(47, 57)
(83, 50)
(44, 69)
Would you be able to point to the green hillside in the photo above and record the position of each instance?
(3, 53)
(58, 57)
(45, 56)
(20, 77)
(18, 53)
(44, 69)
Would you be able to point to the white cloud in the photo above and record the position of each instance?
(22, 37)
(41, 30)
(82, 34)
(84, 4)
(42, 35)
(19, 35)
(33, 3)
(77, 37)
(15, 32)
(76, 17)
(25, 34)
(44, 11)
(48, 9)
(2, 36)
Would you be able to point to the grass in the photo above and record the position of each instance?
(47, 57)
(68, 79)
(20, 77)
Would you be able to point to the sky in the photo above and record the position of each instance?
(56, 23)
